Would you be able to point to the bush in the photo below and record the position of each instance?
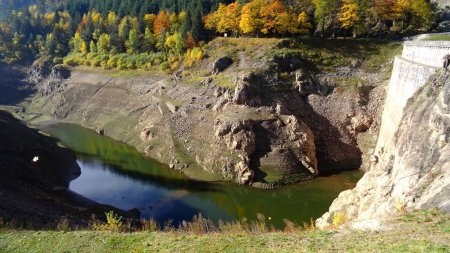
(104, 64)
(58, 60)
(96, 62)
(69, 61)
(112, 62)
(121, 63)
(164, 66)
(114, 222)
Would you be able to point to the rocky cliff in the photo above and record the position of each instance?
(411, 164)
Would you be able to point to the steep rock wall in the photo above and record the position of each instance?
(411, 165)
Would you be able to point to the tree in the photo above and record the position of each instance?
(349, 14)
(103, 44)
(269, 14)
(149, 43)
(284, 23)
(161, 24)
(92, 47)
(133, 42)
(84, 48)
(232, 18)
(175, 44)
(149, 20)
(76, 43)
(123, 32)
(251, 20)
(325, 13)
(304, 26)
(422, 12)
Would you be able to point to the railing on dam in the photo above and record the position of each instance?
(428, 53)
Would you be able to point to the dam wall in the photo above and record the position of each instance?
(411, 70)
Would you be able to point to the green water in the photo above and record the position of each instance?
(116, 174)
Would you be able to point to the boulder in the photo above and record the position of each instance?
(306, 85)
(221, 64)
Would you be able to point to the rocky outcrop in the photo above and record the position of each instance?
(49, 79)
(413, 171)
(280, 145)
(306, 85)
(221, 64)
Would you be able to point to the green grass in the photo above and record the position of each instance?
(440, 37)
(409, 233)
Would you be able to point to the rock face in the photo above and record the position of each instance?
(306, 84)
(413, 170)
(281, 145)
(221, 64)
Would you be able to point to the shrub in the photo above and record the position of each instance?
(338, 219)
(198, 225)
(112, 61)
(149, 225)
(63, 224)
(114, 222)
(69, 61)
(104, 64)
(164, 66)
(96, 62)
(121, 63)
(57, 60)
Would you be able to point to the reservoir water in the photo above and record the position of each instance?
(116, 174)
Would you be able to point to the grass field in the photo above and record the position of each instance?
(422, 231)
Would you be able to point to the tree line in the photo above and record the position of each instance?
(129, 34)
(322, 17)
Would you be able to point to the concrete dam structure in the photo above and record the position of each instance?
(411, 70)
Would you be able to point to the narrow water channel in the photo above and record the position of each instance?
(116, 174)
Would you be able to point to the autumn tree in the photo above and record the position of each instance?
(251, 20)
(304, 26)
(269, 15)
(225, 19)
(348, 15)
(161, 24)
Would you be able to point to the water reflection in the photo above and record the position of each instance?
(116, 174)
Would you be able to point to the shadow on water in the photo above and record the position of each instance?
(116, 174)
(13, 87)
(172, 183)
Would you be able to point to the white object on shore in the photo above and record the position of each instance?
(35, 159)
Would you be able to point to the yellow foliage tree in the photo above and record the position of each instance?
(251, 20)
(349, 14)
(232, 17)
(304, 26)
